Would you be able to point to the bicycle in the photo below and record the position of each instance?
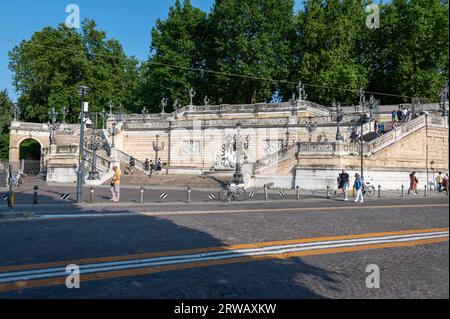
(233, 192)
(369, 190)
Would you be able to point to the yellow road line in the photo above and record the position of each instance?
(209, 249)
(149, 270)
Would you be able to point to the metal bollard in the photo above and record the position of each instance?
(379, 191)
(298, 192)
(425, 191)
(403, 190)
(141, 197)
(91, 196)
(266, 195)
(189, 190)
(35, 195)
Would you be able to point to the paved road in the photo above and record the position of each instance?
(283, 249)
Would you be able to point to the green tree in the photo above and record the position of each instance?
(179, 41)
(48, 69)
(6, 106)
(328, 49)
(409, 55)
(250, 38)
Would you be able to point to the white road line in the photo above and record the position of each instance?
(217, 255)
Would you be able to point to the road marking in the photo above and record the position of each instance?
(28, 276)
(249, 210)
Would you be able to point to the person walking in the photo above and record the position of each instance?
(445, 184)
(439, 182)
(147, 166)
(393, 114)
(399, 114)
(115, 184)
(152, 168)
(413, 181)
(344, 183)
(359, 187)
(158, 165)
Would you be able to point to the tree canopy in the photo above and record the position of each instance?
(242, 51)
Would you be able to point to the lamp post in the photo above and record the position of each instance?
(362, 100)
(157, 147)
(372, 104)
(237, 176)
(362, 120)
(337, 116)
(94, 145)
(310, 127)
(443, 98)
(103, 116)
(113, 131)
(52, 125)
(83, 91)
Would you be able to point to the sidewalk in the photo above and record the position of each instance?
(54, 197)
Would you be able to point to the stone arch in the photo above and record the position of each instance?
(17, 137)
(30, 152)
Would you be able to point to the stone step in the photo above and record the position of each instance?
(139, 178)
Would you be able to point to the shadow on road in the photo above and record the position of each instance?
(40, 241)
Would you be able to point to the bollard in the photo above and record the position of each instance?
(91, 196)
(35, 194)
(426, 191)
(379, 191)
(298, 192)
(266, 195)
(328, 191)
(403, 190)
(189, 190)
(141, 198)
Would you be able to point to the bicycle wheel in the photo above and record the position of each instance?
(225, 195)
(241, 195)
(370, 191)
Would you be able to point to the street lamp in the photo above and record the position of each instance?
(337, 116)
(362, 120)
(443, 98)
(113, 131)
(94, 145)
(157, 147)
(310, 128)
(237, 176)
(103, 116)
(83, 91)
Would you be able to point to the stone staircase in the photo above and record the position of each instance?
(165, 180)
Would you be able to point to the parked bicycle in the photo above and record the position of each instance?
(369, 189)
(233, 192)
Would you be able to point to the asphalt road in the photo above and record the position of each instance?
(275, 249)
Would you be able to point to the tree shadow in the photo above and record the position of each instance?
(43, 241)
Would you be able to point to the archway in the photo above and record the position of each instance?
(30, 156)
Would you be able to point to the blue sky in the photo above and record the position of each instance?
(129, 22)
